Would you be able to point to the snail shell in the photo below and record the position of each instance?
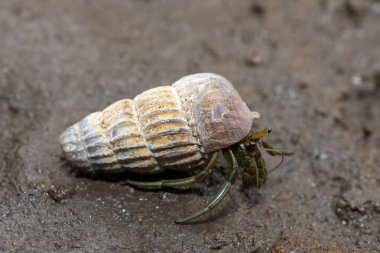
(168, 127)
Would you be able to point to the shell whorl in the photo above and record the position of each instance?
(168, 127)
(218, 114)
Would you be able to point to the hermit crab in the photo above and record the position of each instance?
(179, 127)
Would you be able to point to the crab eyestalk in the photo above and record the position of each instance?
(261, 134)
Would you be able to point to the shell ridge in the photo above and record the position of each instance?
(164, 125)
(155, 102)
(171, 145)
(187, 150)
(131, 147)
(79, 133)
(93, 135)
(123, 137)
(186, 101)
(158, 113)
(141, 131)
(166, 133)
(122, 123)
(115, 163)
(163, 121)
(81, 141)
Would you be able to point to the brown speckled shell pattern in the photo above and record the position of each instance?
(168, 127)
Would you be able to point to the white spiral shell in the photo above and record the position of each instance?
(168, 127)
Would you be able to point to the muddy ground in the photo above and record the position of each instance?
(311, 68)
